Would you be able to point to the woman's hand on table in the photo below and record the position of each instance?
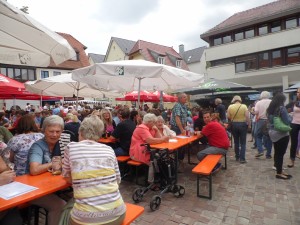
(7, 177)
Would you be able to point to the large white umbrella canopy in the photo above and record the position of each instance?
(129, 75)
(24, 41)
(64, 86)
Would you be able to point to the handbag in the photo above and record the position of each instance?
(279, 125)
(229, 125)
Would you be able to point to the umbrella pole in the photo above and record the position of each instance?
(77, 99)
(139, 90)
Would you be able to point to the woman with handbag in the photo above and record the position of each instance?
(279, 138)
(238, 114)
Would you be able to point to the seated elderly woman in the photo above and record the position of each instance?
(146, 132)
(39, 161)
(164, 129)
(93, 170)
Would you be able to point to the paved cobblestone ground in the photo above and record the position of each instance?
(243, 194)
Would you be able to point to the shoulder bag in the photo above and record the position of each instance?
(279, 125)
(229, 126)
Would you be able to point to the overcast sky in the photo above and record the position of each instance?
(165, 22)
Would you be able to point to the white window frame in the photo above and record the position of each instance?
(178, 63)
(161, 60)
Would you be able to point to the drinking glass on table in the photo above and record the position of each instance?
(56, 165)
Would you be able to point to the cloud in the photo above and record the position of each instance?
(125, 12)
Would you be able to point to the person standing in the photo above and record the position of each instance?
(280, 139)
(260, 110)
(220, 108)
(295, 125)
(239, 116)
(178, 122)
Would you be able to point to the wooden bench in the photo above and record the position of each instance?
(122, 159)
(132, 212)
(137, 165)
(204, 169)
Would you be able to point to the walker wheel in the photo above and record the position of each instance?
(155, 202)
(138, 195)
(179, 191)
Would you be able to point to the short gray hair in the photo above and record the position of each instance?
(265, 95)
(149, 117)
(160, 118)
(51, 121)
(218, 101)
(91, 128)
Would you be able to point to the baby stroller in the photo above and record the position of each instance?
(164, 167)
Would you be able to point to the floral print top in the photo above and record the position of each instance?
(20, 145)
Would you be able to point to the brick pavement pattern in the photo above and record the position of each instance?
(243, 194)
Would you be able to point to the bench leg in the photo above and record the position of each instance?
(225, 158)
(209, 177)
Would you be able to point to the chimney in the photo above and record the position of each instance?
(181, 49)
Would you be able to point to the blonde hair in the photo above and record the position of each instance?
(110, 120)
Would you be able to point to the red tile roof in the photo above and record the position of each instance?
(78, 47)
(145, 48)
(262, 13)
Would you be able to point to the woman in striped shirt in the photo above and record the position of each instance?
(93, 170)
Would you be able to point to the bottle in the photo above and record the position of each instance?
(187, 130)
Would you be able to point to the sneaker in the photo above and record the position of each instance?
(243, 161)
(259, 155)
(268, 157)
(217, 168)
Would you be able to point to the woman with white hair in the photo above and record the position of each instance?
(93, 170)
(238, 114)
(164, 129)
(146, 132)
(39, 161)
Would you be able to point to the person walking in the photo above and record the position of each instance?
(261, 119)
(238, 114)
(220, 108)
(280, 139)
(295, 125)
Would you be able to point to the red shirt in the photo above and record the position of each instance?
(216, 135)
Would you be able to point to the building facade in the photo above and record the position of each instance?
(259, 47)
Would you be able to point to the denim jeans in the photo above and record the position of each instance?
(262, 139)
(211, 150)
(239, 133)
(120, 152)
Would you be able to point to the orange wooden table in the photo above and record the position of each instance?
(176, 145)
(106, 141)
(46, 184)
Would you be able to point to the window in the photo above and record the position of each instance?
(55, 73)
(239, 36)
(290, 23)
(222, 62)
(226, 39)
(244, 63)
(263, 30)
(263, 60)
(19, 74)
(44, 74)
(276, 58)
(217, 41)
(249, 33)
(178, 63)
(275, 26)
(293, 55)
(161, 60)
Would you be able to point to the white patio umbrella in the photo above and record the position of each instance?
(129, 75)
(25, 41)
(64, 86)
(292, 88)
